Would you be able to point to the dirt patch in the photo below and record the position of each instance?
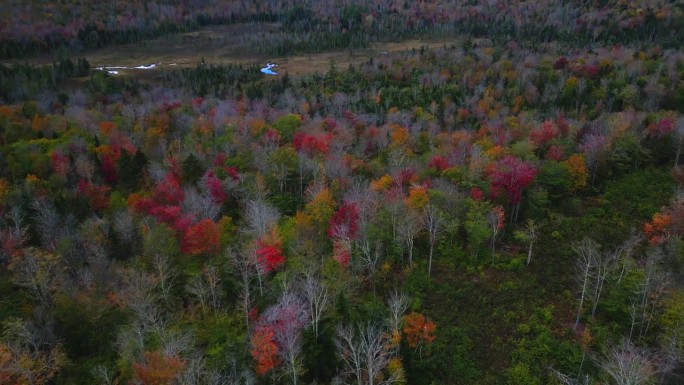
(320, 62)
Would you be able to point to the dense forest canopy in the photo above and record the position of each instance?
(503, 208)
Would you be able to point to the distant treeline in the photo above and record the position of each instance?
(315, 26)
(23, 81)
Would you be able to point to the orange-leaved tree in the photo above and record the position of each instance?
(383, 183)
(158, 369)
(418, 329)
(669, 222)
(264, 350)
(417, 198)
(658, 229)
(577, 166)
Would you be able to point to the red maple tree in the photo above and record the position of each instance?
(513, 175)
(96, 195)
(201, 238)
(264, 350)
(344, 223)
(270, 252)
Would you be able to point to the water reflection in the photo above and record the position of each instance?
(113, 70)
(268, 71)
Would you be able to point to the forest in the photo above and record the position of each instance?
(505, 207)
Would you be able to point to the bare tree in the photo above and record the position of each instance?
(634, 314)
(13, 235)
(130, 342)
(397, 304)
(246, 271)
(163, 268)
(27, 355)
(593, 269)
(363, 350)
(260, 216)
(48, 223)
(316, 297)
(124, 227)
(528, 235)
(587, 251)
(628, 364)
(40, 273)
(196, 373)
(394, 207)
(103, 375)
(654, 284)
(175, 343)
(200, 204)
(366, 199)
(678, 139)
(409, 228)
(142, 300)
(623, 254)
(567, 380)
(370, 257)
(603, 265)
(434, 224)
(206, 288)
(671, 353)
(17, 227)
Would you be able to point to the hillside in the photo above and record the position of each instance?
(431, 193)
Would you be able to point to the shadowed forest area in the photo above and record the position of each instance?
(432, 192)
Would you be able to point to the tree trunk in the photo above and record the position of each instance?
(410, 247)
(584, 292)
(679, 150)
(529, 253)
(432, 247)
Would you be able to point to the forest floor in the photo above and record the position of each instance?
(235, 43)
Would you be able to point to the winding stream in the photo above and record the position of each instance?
(114, 70)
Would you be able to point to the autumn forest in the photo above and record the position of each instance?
(429, 192)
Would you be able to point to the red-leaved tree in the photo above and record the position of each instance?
(344, 223)
(270, 252)
(201, 238)
(96, 195)
(513, 175)
(543, 133)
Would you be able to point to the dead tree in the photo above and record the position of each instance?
(628, 364)
(587, 252)
(528, 235)
(364, 352)
(434, 224)
(260, 217)
(316, 297)
(409, 228)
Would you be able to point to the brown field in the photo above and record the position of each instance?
(233, 44)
